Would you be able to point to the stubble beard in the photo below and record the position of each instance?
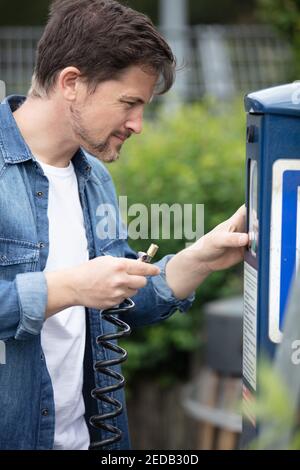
(101, 150)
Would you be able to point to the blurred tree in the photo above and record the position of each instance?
(285, 16)
(18, 12)
(34, 12)
(221, 11)
(204, 11)
(150, 7)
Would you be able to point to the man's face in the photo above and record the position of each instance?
(102, 121)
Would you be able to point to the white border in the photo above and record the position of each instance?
(279, 167)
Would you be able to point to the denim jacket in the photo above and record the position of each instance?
(27, 414)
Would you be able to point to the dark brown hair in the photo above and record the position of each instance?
(101, 38)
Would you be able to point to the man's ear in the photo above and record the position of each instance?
(68, 81)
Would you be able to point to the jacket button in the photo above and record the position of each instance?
(40, 194)
(42, 245)
(45, 412)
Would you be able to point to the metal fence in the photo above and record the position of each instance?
(223, 61)
(17, 56)
(218, 60)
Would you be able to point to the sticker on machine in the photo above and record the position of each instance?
(284, 240)
(250, 325)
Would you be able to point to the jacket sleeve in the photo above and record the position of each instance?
(23, 305)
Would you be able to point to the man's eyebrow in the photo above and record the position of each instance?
(136, 99)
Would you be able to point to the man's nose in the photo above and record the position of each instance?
(135, 122)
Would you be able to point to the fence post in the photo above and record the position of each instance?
(174, 24)
(2, 90)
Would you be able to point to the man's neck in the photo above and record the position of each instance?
(46, 131)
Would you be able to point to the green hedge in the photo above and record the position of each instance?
(194, 155)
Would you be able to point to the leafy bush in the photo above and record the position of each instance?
(193, 156)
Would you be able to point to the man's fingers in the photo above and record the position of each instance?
(136, 282)
(131, 292)
(241, 211)
(238, 220)
(232, 240)
(139, 268)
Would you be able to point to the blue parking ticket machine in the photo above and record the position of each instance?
(273, 222)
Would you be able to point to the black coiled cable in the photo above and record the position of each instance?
(103, 367)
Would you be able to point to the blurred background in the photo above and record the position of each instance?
(184, 375)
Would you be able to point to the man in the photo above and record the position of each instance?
(98, 64)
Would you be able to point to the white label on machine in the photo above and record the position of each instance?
(250, 324)
(284, 240)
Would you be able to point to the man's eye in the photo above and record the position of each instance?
(129, 103)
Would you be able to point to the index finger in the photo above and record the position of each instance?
(139, 268)
(232, 240)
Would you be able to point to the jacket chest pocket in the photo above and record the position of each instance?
(17, 256)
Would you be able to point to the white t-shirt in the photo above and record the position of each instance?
(63, 334)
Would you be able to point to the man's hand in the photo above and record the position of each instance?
(223, 247)
(219, 249)
(100, 283)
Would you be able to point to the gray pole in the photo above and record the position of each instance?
(2, 90)
(174, 13)
(174, 25)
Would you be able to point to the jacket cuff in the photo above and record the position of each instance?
(33, 296)
(163, 290)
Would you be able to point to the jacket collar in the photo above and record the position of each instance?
(13, 146)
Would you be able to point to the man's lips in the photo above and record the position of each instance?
(122, 137)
